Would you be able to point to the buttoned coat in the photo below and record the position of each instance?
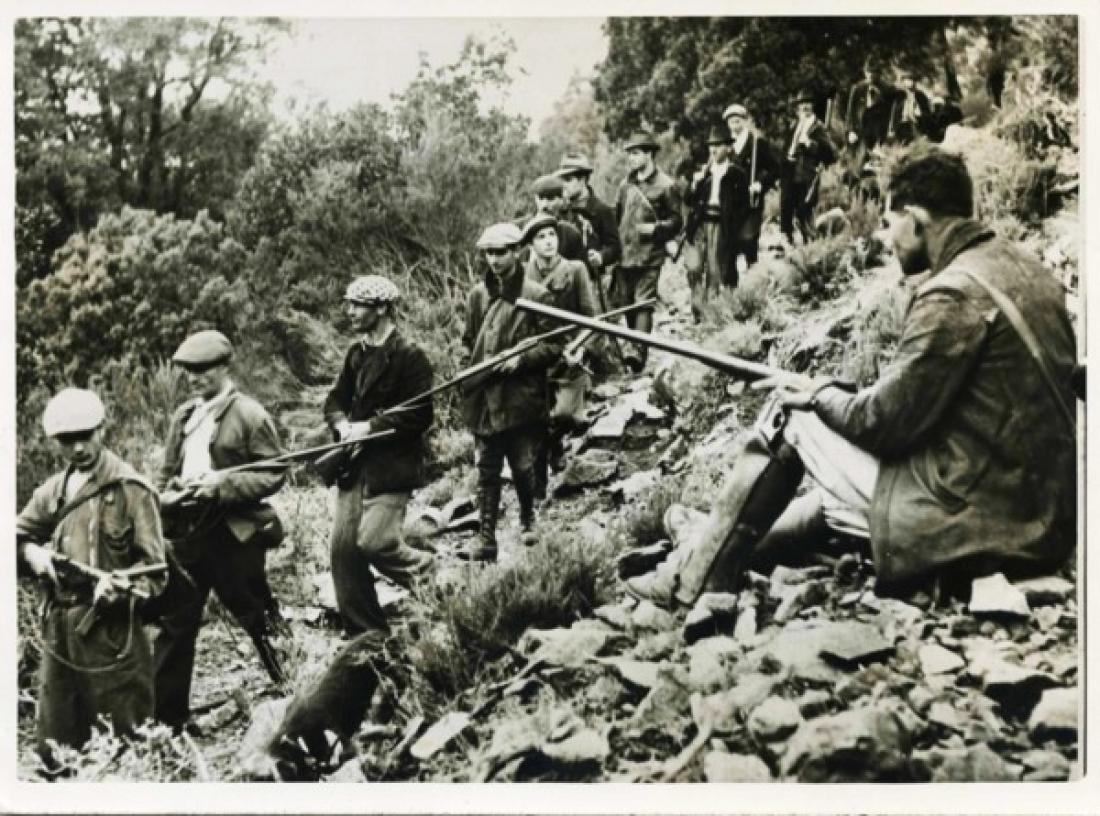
(977, 465)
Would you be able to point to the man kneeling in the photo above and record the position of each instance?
(960, 460)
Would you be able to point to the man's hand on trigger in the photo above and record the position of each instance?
(40, 562)
(795, 391)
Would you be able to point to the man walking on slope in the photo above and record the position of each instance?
(960, 461)
(99, 513)
(381, 369)
(648, 210)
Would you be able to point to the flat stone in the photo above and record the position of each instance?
(647, 615)
(639, 673)
(920, 699)
(1046, 589)
(975, 763)
(859, 745)
(946, 715)
(665, 703)
(725, 708)
(586, 747)
(656, 646)
(853, 642)
(593, 468)
(793, 599)
(614, 615)
(798, 646)
(774, 719)
(994, 595)
(1015, 687)
(934, 659)
(713, 613)
(1055, 717)
(1045, 766)
(718, 766)
(745, 629)
(565, 647)
(638, 402)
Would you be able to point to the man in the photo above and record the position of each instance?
(808, 151)
(910, 112)
(647, 207)
(220, 525)
(584, 210)
(507, 412)
(719, 194)
(868, 114)
(381, 369)
(97, 512)
(569, 288)
(758, 161)
(549, 200)
(943, 113)
(960, 461)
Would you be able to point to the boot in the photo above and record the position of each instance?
(269, 657)
(484, 547)
(657, 586)
(526, 491)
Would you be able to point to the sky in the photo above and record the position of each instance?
(346, 61)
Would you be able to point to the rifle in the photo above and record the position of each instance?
(334, 464)
(746, 369)
(597, 274)
(120, 579)
(754, 197)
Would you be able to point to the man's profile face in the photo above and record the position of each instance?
(80, 449)
(902, 234)
(501, 259)
(550, 203)
(364, 317)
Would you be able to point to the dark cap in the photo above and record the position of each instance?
(718, 136)
(641, 139)
(574, 164)
(804, 96)
(203, 349)
(548, 185)
(532, 227)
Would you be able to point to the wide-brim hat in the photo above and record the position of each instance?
(735, 110)
(574, 164)
(804, 96)
(641, 139)
(532, 227)
(718, 136)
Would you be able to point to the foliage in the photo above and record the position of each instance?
(157, 113)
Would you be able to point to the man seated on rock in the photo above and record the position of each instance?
(958, 462)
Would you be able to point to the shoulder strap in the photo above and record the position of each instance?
(1005, 304)
(99, 491)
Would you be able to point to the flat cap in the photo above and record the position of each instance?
(574, 163)
(532, 227)
(72, 410)
(202, 349)
(499, 236)
(735, 110)
(803, 96)
(719, 135)
(371, 289)
(641, 139)
(548, 185)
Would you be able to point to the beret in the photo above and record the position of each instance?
(735, 110)
(72, 410)
(548, 185)
(532, 227)
(372, 289)
(205, 348)
(574, 163)
(499, 236)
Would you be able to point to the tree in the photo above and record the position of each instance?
(157, 113)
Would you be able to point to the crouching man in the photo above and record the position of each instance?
(96, 513)
(960, 460)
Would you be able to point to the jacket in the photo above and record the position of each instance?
(905, 130)
(733, 209)
(119, 528)
(978, 469)
(657, 204)
(376, 378)
(493, 324)
(598, 226)
(868, 112)
(808, 159)
(244, 432)
(567, 282)
(570, 242)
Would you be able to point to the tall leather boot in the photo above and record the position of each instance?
(488, 504)
(525, 492)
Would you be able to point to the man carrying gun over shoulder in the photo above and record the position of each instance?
(382, 369)
(219, 523)
(101, 521)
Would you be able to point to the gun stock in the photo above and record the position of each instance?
(735, 366)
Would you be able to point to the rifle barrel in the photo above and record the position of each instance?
(723, 362)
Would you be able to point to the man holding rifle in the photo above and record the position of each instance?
(506, 411)
(217, 518)
(961, 460)
(382, 369)
(106, 553)
(757, 160)
(808, 152)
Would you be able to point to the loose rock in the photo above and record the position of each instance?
(1046, 589)
(718, 766)
(994, 595)
(859, 745)
(934, 659)
(1055, 717)
(712, 614)
(774, 719)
